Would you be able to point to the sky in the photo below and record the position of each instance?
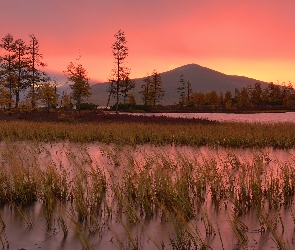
(253, 38)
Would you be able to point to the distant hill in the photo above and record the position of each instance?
(202, 79)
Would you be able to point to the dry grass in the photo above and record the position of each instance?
(280, 135)
(134, 191)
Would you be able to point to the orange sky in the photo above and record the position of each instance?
(254, 38)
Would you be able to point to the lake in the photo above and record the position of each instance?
(156, 197)
(257, 117)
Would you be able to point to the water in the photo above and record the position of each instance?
(253, 118)
(114, 159)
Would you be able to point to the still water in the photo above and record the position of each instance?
(257, 117)
(115, 232)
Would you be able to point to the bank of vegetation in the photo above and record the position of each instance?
(133, 130)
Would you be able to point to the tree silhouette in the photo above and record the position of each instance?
(152, 91)
(120, 52)
(35, 76)
(80, 87)
(48, 96)
(21, 69)
(7, 74)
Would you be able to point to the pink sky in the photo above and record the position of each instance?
(254, 38)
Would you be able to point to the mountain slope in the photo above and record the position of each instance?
(201, 78)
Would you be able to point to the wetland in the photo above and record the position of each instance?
(146, 184)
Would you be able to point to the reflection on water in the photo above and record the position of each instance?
(257, 117)
(237, 198)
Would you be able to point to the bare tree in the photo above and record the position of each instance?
(120, 52)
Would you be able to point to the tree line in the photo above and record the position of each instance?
(256, 96)
(21, 67)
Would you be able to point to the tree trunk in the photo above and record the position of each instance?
(117, 90)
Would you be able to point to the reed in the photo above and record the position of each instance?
(194, 133)
(176, 191)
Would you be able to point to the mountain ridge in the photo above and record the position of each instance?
(203, 79)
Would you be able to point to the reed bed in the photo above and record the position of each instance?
(193, 133)
(198, 202)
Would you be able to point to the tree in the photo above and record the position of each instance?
(198, 98)
(145, 91)
(157, 91)
(256, 94)
(66, 103)
(189, 92)
(181, 90)
(35, 76)
(7, 74)
(244, 99)
(228, 100)
(185, 91)
(236, 96)
(4, 97)
(126, 85)
(152, 91)
(80, 87)
(212, 98)
(120, 52)
(48, 96)
(131, 99)
(288, 94)
(21, 69)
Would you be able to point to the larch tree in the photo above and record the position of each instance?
(228, 101)
(35, 76)
(185, 91)
(131, 99)
(111, 90)
(4, 97)
(152, 91)
(80, 86)
(120, 52)
(157, 91)
(48, 96)
(21, 69)
(145, 91)
(256, 94)
(7, 61)
(126, 85)
(181, 90)
(189, 92)
(66, 102)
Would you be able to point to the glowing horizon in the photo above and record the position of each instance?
(252, 39)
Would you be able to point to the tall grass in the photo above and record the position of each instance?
(179, 193)
(279, 135)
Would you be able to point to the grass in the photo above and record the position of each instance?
(134, 130)
(186, 194)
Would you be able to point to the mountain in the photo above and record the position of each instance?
(202, 79)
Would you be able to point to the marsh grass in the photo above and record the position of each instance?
(156, 132)
(179, 192)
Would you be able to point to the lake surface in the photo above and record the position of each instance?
(257, 117)
(219, 167)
